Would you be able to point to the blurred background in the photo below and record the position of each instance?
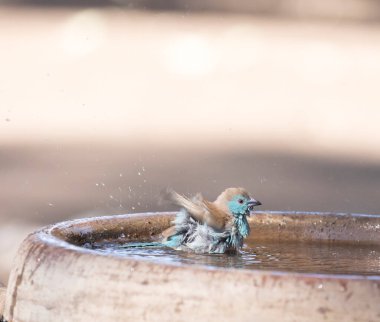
(105, 103)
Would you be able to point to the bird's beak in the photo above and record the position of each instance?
(253, 203)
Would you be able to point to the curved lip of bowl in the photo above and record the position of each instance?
(46, 235)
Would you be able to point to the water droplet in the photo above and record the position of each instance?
(263, 179)
(139, 173)
(320, 286)
(120, 174)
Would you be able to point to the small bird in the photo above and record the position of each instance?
(202, 226)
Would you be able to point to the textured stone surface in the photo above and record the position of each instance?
(55, 280)
(2, 299)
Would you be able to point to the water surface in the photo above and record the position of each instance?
(322, 258)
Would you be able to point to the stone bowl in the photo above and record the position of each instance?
(53, 279)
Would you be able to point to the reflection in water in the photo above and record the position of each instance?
(292, 257)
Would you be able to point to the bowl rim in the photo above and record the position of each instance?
(47, 235)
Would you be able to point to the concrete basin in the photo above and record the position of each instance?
(54, 279)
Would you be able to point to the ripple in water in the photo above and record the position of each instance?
(291, 257)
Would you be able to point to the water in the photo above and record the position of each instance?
(321, 258)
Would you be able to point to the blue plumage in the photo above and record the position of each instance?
(202, 226)
(210, 227)
(191, 235)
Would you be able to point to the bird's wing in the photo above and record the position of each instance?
(167, 233)
(195, 207)
(217, 218)
(200, 209)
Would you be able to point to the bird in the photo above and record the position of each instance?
(202, 226)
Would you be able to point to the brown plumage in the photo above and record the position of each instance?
(215, 214)
(204, 226)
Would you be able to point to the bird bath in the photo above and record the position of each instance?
(73, 271)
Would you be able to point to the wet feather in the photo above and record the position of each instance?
(209, 227)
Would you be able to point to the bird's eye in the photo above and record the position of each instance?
(240, 201)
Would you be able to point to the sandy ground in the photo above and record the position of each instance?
(101, 109)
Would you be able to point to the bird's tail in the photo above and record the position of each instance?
(142, 245)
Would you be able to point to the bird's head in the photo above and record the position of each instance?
(237, 201)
